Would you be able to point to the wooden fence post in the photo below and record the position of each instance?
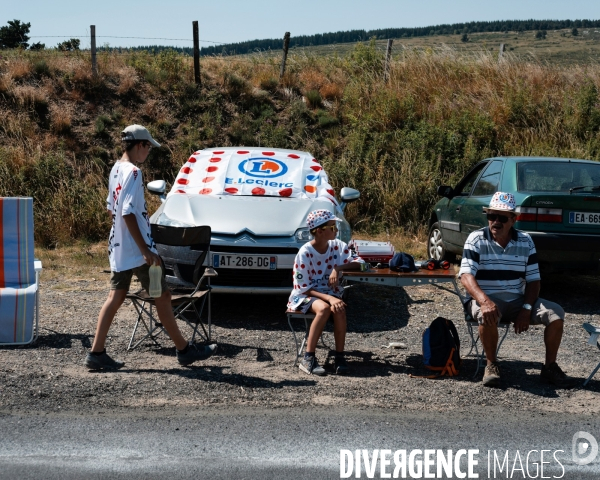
(196, 53)
(286, 46)
(93, 49)
(388, 56)
(500, 52)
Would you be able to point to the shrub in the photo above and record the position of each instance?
(103, 122)
(41, 69)
(69, 45)
(313, 99)
(235, 85)
(269, 84)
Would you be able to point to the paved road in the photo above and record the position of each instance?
(274, 444)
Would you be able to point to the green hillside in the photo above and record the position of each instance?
(444, 108)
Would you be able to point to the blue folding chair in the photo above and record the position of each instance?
(19, 273)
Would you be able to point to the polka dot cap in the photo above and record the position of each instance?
(319, 217)
(502, 201)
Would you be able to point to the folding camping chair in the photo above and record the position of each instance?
(473, 329)
(188, 306)
(308, 318)
(594, 340)
(19, 273)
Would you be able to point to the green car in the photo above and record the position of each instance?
(558, 204)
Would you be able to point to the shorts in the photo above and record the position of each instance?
(542, 313)
(305, 305)
(122, 280)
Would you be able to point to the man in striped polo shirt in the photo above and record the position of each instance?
(499, 270)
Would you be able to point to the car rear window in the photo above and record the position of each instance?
(556, 176)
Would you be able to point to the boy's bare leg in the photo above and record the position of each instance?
(339, 330)
(165, 314)
(322, 310)
(106, 316)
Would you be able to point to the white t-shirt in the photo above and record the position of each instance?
(312, 270)
(125, 197)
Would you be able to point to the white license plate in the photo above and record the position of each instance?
(584, 218)
(252, 262)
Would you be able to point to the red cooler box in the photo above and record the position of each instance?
(373, 252)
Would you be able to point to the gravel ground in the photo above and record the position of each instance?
(254, 365)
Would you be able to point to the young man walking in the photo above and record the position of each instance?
(131, 250)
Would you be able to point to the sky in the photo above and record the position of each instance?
(152, 22)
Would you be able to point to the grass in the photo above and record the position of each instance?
(558, 48)
(444, 107)
(77, 260)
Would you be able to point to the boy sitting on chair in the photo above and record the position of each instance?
(317, 288)
(131, 250)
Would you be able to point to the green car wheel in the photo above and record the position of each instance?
(435, 245)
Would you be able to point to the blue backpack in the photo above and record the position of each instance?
(441, 348)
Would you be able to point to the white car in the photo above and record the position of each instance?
(256, 201)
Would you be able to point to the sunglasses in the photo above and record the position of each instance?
(333, 227)
(492, 217)
(147, 145)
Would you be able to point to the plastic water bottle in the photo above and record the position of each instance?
(155, 281)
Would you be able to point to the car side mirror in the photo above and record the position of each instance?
(348, 195)
(157, 187)
(445, 191)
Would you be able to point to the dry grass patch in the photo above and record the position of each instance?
(331, 91)
(312, 79)
(128, 80)
(60, 119)
(19, 69)
(6, 83)
(28, 96)
(81, 259)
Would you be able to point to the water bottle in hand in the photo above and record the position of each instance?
(155, 281)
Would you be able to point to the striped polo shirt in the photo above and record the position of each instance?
(500, 270)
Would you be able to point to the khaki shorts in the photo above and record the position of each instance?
(542, 313)
(122, 280)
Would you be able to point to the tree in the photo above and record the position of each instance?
(464, 38)
(14, 35)
(37, 46)
(540, 34)
(69, 45)
(574, 32)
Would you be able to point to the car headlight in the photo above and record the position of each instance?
(303, 235)
(169, 222)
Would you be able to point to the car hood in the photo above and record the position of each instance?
(231, 215)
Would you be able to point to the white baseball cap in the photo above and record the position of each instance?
(137, 132)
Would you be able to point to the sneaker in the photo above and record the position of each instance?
(195, 352)
(491, 376)
(554, 375)
(311, 366)
(340, 365)
(102, 362)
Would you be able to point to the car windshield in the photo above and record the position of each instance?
(557, 176)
